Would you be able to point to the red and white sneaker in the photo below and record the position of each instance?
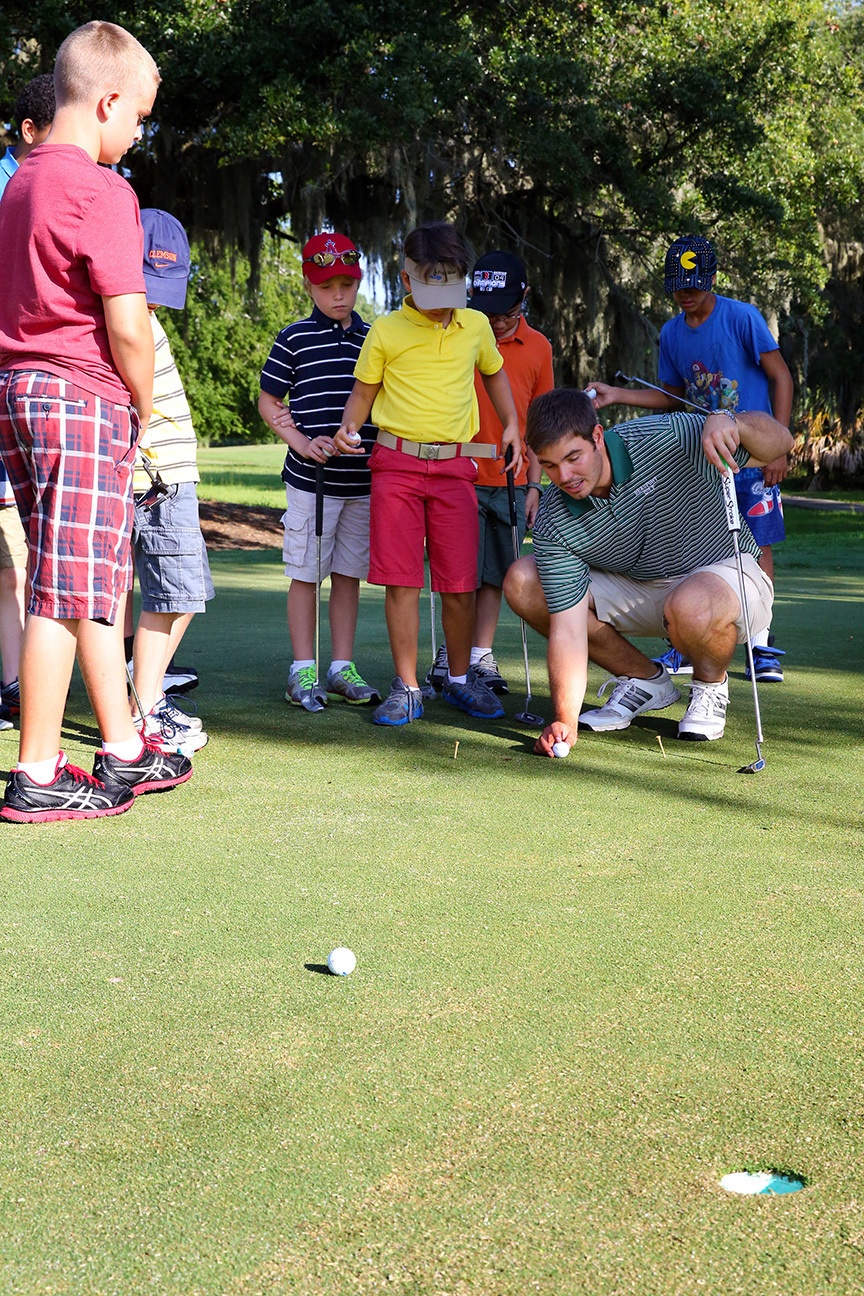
(71, 794)
(154, 770)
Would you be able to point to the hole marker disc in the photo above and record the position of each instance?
(751, 1184)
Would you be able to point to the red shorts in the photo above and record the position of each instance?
(417, 500)
(69, 456)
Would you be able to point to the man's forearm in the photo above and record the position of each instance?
(763, 437)
(568, 661)
(130, 337)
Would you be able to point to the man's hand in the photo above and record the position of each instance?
(557, 731)
(776, 471)
(605, 395)
(511, 437)
(320, 449)
(720, 440)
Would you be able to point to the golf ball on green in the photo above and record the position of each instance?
(341, 961)
(561, 749)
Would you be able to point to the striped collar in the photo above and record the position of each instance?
(325, 322)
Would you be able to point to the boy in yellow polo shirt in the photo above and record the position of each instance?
(415, 374)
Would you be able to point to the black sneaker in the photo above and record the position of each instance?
(72, 794)
(5, 717)
(153, 771)
(10, 696)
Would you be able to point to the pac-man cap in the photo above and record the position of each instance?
(691, 262)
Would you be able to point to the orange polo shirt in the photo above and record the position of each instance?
(527, 357)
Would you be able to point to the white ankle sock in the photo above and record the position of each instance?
(760, 640)
(43, 772)
(302, 663)
(129, 750)
(337, 664)
(456, 679)
(477, 654)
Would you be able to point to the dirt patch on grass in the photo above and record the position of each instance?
(240, 526)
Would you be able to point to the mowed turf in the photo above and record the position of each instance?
(586, 989)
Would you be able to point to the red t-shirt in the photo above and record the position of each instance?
(70, 233)
(527, 359)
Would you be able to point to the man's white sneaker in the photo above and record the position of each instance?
(705, 717)
(629, 698)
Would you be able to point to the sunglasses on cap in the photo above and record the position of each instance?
(324, 259)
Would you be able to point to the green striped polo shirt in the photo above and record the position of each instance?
(664, 516)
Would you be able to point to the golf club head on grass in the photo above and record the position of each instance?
(756, 767)
(529, 718)
(316, 701)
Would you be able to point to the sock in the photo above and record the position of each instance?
(129, 750)
(456, 679)
(477, 654)
(338, 664)
(760, 639)
(43, 772)
(301, 663)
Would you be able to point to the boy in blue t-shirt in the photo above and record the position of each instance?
(720, 353)
(312, 363)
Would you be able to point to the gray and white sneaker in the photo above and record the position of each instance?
(349, 684)
(705, 717)
(171, 729)
(628, 699)
(486, 669)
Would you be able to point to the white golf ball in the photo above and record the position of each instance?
(591, 393)
(561, 749)
(353, 437)
(341, 961)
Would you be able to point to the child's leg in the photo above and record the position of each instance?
(101, 660)
(486, 616)
(156, 639)
(13, 581)
(47, 656)
(301, 619)
(402, 611)
(344, 607)
(457, 619)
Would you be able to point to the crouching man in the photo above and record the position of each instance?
(632, 539)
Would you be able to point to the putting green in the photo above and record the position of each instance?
(586, 990)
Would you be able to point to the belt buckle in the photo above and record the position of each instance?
(431, 450)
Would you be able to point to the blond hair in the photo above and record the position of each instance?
(97, 58)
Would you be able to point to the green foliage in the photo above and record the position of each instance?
(222, 338)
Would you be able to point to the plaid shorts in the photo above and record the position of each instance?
(69, 456)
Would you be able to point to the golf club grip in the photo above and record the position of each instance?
(319, 500)
(511, 487)
(730, 500)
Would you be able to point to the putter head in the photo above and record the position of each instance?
(754, 768)
(528, 718)
(316, 699)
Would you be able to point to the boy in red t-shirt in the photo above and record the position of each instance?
(76, 381)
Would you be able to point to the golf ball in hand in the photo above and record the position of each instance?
(591, 393)
(341, 961)
(353, 437)
(561, 749)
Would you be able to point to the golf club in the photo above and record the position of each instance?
(428, 689)
(733, 521)
(700, 409)
(317, 699)
(525, 717)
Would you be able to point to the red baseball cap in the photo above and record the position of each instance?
(327, 255)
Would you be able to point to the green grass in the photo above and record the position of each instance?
(243, 474)
(585, 990)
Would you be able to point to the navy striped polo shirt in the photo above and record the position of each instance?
(312, 363)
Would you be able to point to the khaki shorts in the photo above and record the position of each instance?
(13, 542)
(636, 607)
(344, 536)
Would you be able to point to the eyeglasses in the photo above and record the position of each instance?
(510, 316)
(324, 259)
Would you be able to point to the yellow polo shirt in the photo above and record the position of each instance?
(427, 372)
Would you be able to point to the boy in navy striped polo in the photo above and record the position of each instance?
(312, 363)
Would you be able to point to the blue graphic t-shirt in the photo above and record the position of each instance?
(717, 363)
